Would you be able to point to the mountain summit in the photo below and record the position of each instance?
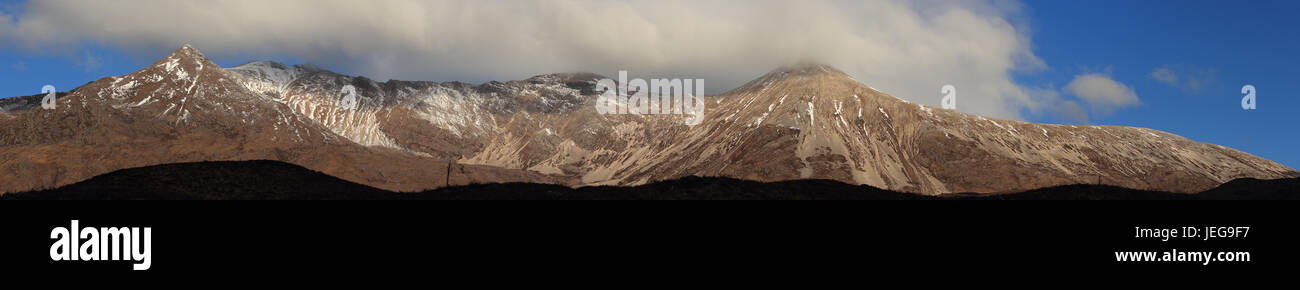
(806, 121)
(851, 132)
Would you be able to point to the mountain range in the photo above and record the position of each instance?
(805, 121)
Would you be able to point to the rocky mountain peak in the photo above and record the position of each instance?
(186, 58)
(807, 79)
(189, 52)
(806, 68)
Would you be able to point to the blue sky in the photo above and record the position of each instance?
(1242, 42)
(1213, 48)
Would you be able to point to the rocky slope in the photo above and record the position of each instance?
(800, 122)
(184, 108)
(834, 127)
(814, 122)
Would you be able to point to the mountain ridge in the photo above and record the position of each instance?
(804, 121)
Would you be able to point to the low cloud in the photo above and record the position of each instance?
(90, 62)
(1101, 93)
(19, 66)
(1073, 112)
(1165, 75)
(1190, 79)
(907, 48)
(1067, 110)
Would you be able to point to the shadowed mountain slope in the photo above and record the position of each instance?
(272, 180)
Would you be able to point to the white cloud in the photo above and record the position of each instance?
(907, 48)
(1072, 111)
(1101, 93)
(90, 62)
(1057, 105)
(19, 66)
(1189, 78)
(1165, 76)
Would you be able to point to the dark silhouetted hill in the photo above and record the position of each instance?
(273, 180)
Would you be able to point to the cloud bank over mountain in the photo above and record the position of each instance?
(906, 48)
(1103, 94)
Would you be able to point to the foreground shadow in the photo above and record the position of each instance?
(273, 180)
